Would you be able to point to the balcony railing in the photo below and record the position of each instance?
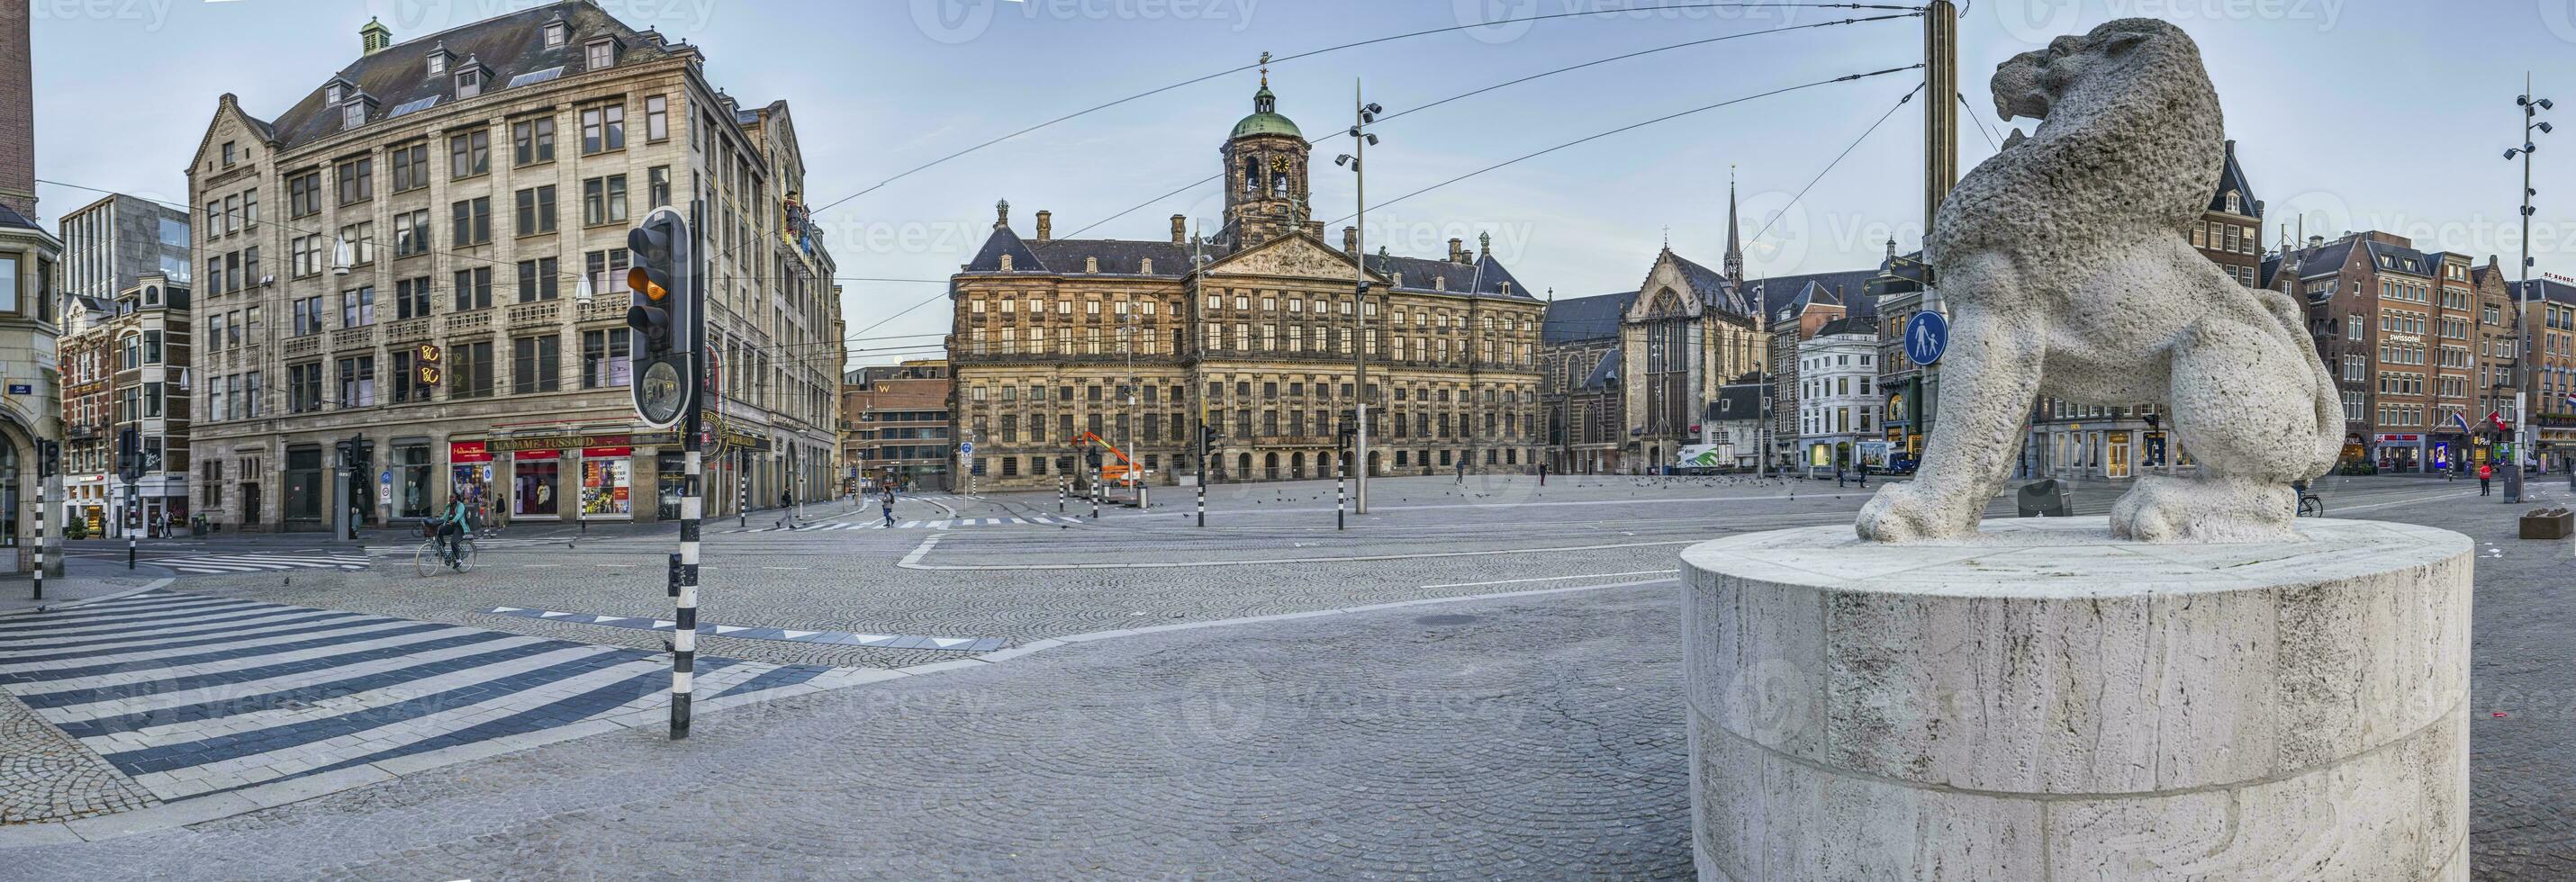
(408, 330)
(468, 322)
(534, 314)
(353, 338)
(308, 344)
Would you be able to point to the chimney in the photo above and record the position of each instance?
(1350, 240)
(2316, 241)
(1001, 214)
(1046, 225)
(17, 112)
(1180, 230)
(374, 37)
(1457, 251)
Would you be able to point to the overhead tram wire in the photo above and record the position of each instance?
(1637, 125)
(1514, 82)
(1982, 127)
(1908, 97)
(1336, 48)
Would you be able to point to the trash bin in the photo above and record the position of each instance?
(2045, 498)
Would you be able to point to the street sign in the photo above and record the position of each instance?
(965, 448)
(1927, 335)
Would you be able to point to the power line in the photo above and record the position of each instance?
(1632, 126)
(1314, 52)
(1982, 129)
(1838, 160)
(1514, 82)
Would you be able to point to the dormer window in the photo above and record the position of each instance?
(601, 53)
(557, 31)
(333, 94)
(2233, 202)
(437, 63)
(469, 83)
(353, 114)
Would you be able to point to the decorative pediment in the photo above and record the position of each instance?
(1298, 256)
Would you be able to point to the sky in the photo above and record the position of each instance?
(2350, 114)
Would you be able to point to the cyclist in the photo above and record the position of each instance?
(452, 529)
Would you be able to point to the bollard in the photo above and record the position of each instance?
(1203, 500)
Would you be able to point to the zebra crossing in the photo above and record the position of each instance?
(252, 562)
(937, 524)
(192, 694)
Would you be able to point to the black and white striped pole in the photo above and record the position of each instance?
(1341, 500)
(1059, 494)
(741, 489)
(44, 469)
(670, 390)
(1095, 497)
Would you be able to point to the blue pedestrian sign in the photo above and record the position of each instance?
(1927, 335)
(965, 448)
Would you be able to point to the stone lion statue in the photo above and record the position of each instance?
(2067, 274)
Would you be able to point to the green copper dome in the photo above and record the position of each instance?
(1265, 118)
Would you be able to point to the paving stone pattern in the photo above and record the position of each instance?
(1519, 739)
(45, 775)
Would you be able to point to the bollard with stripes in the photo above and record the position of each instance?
(684, 587)
(1059, 494)
(1202, 500)
(1340, 500)
(40, 534)
(1095, 499)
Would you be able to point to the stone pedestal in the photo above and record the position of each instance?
(2044, 702)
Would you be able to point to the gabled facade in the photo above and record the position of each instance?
(399, 259)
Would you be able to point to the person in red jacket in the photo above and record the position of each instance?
(2486, 472)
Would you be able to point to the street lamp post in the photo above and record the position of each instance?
(2531, 108)
(1366, 114)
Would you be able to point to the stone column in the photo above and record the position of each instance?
(2043, 702)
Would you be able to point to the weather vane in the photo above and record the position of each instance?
(1265, 69)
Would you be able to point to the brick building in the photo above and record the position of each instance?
(2414, 338)
(455, 197)
(898, 425)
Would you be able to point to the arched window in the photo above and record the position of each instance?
(1252, 174)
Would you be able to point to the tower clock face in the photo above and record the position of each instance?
(1279, 163)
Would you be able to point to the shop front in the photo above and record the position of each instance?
(2400, 452)
(469, 477)
(589, 477)
(607, 484)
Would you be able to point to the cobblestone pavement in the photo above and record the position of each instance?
(1268, 549)
(175, 696)
(1522, 739)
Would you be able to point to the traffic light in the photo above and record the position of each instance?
(129, 453)
(1207, 440)
(663, 318)
(49, 457)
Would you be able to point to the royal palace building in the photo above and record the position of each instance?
(1256, 329)
(412, 284)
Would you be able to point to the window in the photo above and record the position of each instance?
(353, 114)
(308, 315)
(599, 54)
(407, 386)
(411, 233)
(250, 209)
(411, 298)
(472, 220)
(603, 128)
(604, 358)
(438, 62)
(603, 200)
(469, 83)
(307, 257)
(358, 307)
(537, 210)
(469, 154)
(411, 166)
(358, 381)
(533, 140)
(357, 180)
(303, 387)
(469, 373)
(556, 31)
(473, 288)
(304, 194)
(537, 280)
(657, 186)
(533, 364)
(657, 118)
(228, 153)
(607, 269)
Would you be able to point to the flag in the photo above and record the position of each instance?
(2496, 419)
(2463, 422)
(2571, 401)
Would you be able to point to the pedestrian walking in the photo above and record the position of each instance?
(1462, 472)
(2486, 473)
(1864, 477)
(787, 509)
(889, 507)
(1838, 474)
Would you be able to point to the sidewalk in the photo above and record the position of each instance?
(82, 581)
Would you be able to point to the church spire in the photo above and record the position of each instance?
(1734, 243)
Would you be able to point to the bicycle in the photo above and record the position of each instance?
(432, 555)
(2310, 504)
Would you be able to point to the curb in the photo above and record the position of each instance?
(155, 584)
(216, 806)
